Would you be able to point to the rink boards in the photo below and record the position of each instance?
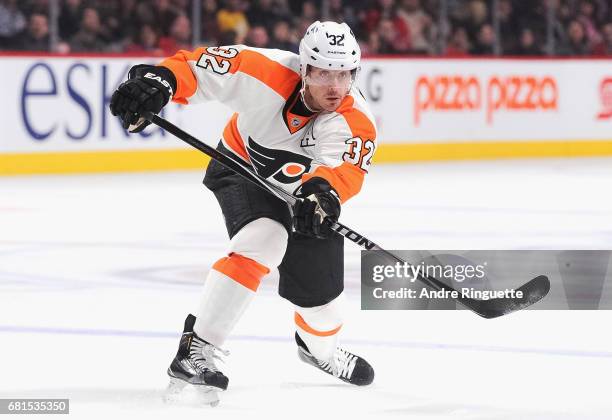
(56, 119)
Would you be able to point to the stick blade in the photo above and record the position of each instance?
(533, 291)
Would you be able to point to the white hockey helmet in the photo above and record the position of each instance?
(329, 45)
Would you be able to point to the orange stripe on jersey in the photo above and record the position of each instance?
(244, 270)
(233, 139)
(359, 124)
(346, 179)
(271, 73)
(303, 325)
(185, 79)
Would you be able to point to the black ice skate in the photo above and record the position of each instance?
(343, 365)
(194, 365)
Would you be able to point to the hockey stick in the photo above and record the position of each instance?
(532, 291)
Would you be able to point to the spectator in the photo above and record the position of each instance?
(577, 42)
(527, 45)
(605, 46)
(389, 40)
(309, 11)
(281, 37)
(586, 16)
(12, 21)
(371, 23)
(258, 37)
(232, 18)
(419, 25)
(564, 11)
(371, 17)
(146, 42)
(459, 44)
(476, 19)
(70, 18)
(372, 46)
(180, 36)
(158, 13)
(36, 36)
(485, 42)
(89, 38)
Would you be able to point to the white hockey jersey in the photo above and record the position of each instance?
(271, 128)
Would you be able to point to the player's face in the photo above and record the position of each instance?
(327, 88)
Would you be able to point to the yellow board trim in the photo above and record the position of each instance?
(173, 159)
(101, 161)
(491, 150)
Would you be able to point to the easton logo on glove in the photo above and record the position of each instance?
(158, 78)
(283, 166)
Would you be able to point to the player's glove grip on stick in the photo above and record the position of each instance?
(318, 201)
(148, 88)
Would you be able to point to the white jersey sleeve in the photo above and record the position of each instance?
(241, 77)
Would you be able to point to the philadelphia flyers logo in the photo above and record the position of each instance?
(283, 166)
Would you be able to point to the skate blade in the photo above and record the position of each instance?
(184, 393)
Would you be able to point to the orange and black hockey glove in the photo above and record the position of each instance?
(148, 88)
(318, 201)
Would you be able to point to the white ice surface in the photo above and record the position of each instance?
(98, 272)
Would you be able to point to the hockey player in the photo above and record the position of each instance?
(301, 123)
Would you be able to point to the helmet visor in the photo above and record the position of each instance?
(330, 78)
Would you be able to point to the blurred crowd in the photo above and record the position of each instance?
(426, 27)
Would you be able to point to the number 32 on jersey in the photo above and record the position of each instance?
(359, 152)
(209, 59)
